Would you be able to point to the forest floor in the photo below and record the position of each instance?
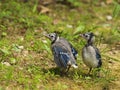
(26, 61)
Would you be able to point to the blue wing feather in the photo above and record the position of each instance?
(74, 51)
(61, 57)
(98, 56)
(65, 57)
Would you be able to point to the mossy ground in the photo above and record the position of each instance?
(26, 61)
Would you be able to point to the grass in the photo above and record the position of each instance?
(26, 61)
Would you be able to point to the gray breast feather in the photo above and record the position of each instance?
(90, 56)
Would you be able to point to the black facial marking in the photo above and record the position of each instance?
(90, 38)
(55, 36)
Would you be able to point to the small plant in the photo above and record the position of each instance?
(75, 2)
(116, 11)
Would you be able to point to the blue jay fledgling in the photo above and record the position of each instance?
(90, 54)
(64, 53)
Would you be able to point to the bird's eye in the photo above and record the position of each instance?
(86, 35)
(51, 36)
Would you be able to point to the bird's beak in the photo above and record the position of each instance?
(46, 35)
(81, 35)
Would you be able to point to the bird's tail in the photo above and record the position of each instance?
(74, 65)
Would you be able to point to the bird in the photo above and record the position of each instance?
(90, 53)
(64, 53)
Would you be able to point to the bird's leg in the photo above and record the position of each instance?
(68, 68)
(98, 72)
(62, 71)
(89, 71)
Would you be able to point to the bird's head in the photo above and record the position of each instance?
(52, 36)
(89, 36)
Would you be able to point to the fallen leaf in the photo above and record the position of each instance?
(46, 2)
(109, 1)
(55, 21)
(6, 63)
(43, 9)
(25, 52)
(109, 17)
(69, 26)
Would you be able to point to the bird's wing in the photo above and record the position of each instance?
(74, 51)
(61, 55)
(98, 56)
